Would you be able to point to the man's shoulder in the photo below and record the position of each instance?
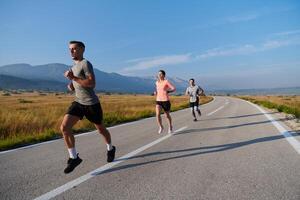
(86, 62)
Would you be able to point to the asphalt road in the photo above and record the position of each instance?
(232, 152)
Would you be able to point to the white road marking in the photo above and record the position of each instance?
(293, 142)
(215, 111)
(102, 169)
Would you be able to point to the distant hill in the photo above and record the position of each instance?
(14, 83)
(50, 77)
(53, 72)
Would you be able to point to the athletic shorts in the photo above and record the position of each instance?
(195, 104)
(166, 105)
(92, 112)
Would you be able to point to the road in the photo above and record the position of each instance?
(234, 151)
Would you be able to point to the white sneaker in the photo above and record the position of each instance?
(170, 131)
(160, 130)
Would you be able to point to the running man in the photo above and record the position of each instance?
(86, 104)
(194, 92)
(163, 88)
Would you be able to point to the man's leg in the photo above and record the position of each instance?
(193, 113)
(107, 137)
(197, 107)
(66, 128)
(198, 110)
(193, 108)
(104, 132)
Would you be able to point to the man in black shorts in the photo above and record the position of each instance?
(86, 104)
(194, 92)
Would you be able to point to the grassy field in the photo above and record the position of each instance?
(33, 117)
(286, 104)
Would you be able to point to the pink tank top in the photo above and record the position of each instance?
(162, 88)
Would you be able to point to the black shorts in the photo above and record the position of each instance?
(195, 104)
(166, 105)
(92, 112)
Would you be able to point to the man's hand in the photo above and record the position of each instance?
(71, 87)
(69, 74)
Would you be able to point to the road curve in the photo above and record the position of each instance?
(234, 151)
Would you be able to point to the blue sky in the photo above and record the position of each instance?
(223, 44)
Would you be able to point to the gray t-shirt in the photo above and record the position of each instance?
(84, 95)
(193, 91)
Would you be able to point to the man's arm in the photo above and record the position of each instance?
(201, 91)
(187, 92)
(71, 87)
(88, 82)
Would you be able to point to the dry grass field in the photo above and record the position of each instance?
(33, 117)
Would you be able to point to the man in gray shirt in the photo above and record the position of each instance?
(194, 92)
(86, 104)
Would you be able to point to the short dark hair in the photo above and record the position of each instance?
(79, 43)
(192, 79)
(163, 72)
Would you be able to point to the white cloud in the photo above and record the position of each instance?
(260, 12)
(150, 62)
(275, 44)
(247, 49)
(286, 33)
(240, 18)
(145, 63)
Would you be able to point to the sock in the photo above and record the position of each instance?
(72, 153)
(109, 147)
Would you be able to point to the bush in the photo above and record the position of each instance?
(24, 101)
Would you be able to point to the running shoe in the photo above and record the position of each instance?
(160, 130)
(111, 154)
(72, 163)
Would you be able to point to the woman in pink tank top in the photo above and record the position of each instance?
(163, 88)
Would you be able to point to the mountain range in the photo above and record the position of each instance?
(50, 77)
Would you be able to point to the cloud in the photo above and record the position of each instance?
(247, 49)
(240, 18)
(150, 62)
(252, 15)
(145, 63)
(274, 44)
(228, 20)
(286, 33)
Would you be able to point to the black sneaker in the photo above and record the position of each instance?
(111, 154)
(195, 120)
(72, 163)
